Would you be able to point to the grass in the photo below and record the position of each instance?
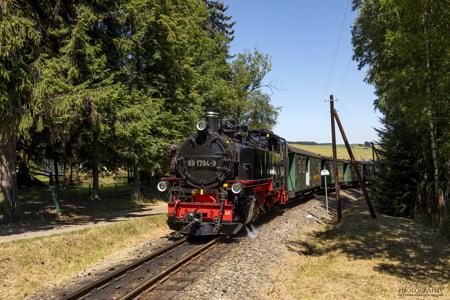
(29, 265)
(36, 205)
(366, 259)
(360, 152)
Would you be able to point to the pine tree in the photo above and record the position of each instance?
(19, 40)
(77, 89)
(219, 23)
(405, 46)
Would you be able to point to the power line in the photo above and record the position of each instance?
(336, 49)
(343, 76)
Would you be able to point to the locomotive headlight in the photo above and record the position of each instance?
(236, 188)
(163, 186)
(201, 125)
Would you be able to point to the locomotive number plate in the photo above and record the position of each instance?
(201, 163)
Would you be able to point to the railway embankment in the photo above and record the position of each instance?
(362, 258)
(46, 263)
(300, 254)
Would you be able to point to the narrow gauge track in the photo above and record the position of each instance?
(142, 275)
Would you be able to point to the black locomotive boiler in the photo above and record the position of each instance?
(224, 176)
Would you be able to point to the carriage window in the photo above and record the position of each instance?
(301, 165)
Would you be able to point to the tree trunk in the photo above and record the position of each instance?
(64, 174)
(441, 204)
(95, 181)
(55, 167)
(23, 176)
(95, 178)
(431, 127)
(442, 207)
(8, 181)
(137, 180)
(71, 174)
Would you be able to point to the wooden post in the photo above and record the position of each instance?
(373, 153)
(54, 192)
(335, 164)
(355, 167)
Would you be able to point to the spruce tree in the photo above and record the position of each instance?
(19, 40)
(404, 45)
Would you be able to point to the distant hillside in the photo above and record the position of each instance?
(359, 151)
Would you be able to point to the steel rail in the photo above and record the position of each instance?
(85, 290)
(148, 284)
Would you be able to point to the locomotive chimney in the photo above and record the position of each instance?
(212, 116)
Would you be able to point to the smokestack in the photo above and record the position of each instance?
(212, 116)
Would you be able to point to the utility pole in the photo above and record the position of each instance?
(335, 163)
(352, 157)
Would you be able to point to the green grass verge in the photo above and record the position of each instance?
(29, 265)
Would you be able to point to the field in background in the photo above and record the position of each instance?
(360, 152)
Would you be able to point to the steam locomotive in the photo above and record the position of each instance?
(226, 175)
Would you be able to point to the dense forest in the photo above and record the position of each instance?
(112, 84)
(405, 46)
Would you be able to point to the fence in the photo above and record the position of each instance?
(71, 198)
(115, 190)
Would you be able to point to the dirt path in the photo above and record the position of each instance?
(27, 232)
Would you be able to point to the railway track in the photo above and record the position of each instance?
(142, 275)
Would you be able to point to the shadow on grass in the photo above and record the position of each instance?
(38, 211)
(407, 249)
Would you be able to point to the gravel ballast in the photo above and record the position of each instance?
(245, 270)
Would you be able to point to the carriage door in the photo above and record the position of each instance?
(308, 171)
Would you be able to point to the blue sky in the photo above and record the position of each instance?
(301, 37)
